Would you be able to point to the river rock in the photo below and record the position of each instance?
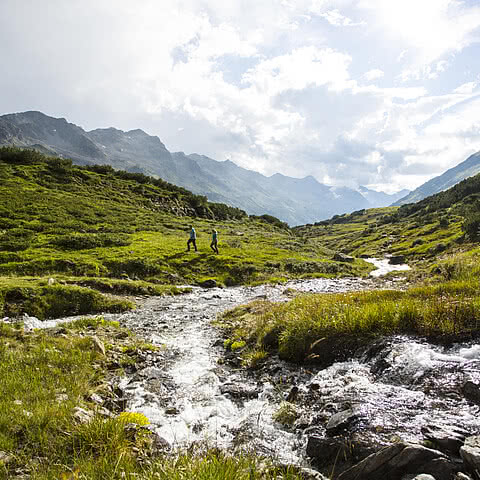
(341, 421)
(238, 391)
(446, 439)
(471, 391)
(341, 257)
(338, 450)
(398, 460)
(470, 453)
(396, 259)
(208, 284)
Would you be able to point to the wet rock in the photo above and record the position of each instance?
(208, 284)
(396, 259)
(446, 439)
(396, 461)
(238, 391)
(470, 453)
(158, 443)
(335, 348)
(471, 391)
(324, 450)
(341, 421)
(341, 257)
(81, 415)
(171, 411)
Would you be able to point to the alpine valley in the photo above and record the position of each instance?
(293, 200)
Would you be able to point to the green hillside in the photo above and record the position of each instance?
(126, 233)
(441, 224)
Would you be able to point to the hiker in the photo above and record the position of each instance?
(214, 244)
(192, 239)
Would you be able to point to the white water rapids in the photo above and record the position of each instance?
(190, 395)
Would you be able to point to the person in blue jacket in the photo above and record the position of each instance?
(214, 244)
(192, 239)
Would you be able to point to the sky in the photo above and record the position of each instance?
(381, 93)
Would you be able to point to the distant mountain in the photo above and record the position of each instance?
(381, 199)
(293, 200)
(466, 169)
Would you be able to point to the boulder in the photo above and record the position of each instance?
(341, 421)
(398, 460)
(447, 439)
(471, 391)
(208, 284)
(396, 259)
(470, 453)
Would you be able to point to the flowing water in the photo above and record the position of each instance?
(191, 395)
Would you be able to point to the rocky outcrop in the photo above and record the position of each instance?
(470, 453)
(397, 460)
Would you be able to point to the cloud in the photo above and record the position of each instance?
(429, 29)
(269, 84)
(373, 74)
(335, 18)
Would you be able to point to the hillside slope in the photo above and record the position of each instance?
(293, 200)
(465, 169)
(68, 222)
(443, 223)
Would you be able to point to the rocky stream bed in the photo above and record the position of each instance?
(399, 408)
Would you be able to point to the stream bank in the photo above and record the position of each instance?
(399, 391)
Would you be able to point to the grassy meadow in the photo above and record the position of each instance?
(125, 233)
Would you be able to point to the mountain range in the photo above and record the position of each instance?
(293, 200)
(465, 169)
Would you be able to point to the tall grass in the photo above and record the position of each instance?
(290, 329)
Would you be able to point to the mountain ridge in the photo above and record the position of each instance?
(293, 200)
(440, 183)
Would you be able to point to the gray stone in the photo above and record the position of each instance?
(208, 284)
(396, 259)
(447, 439)
(397, 460)
(81, 415)
(471, 391)
(470, 453)
(341, 421)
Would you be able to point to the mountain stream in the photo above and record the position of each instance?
(191, 394)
